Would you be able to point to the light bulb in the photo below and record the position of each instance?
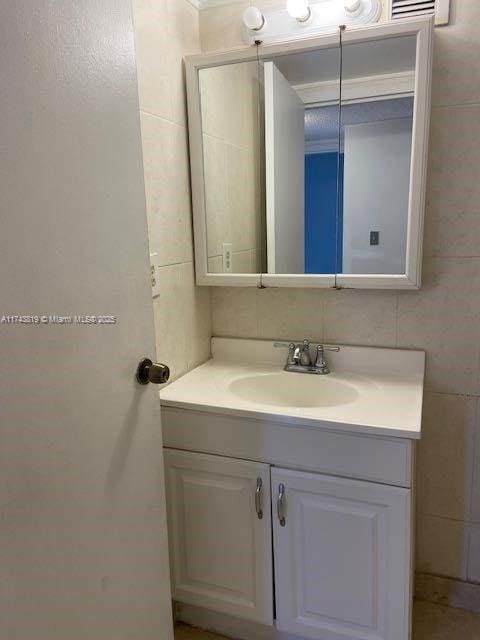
(253, 19)
(299, 10)
(352, 5)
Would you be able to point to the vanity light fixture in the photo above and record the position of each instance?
(253, 19)
(299, 10)
(294, 19)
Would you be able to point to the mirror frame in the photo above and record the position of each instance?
(422, 28)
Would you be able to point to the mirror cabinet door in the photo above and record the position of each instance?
(234, 205)
(377, 106)
(314, 160)
(301, 109)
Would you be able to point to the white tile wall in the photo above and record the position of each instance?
(453, 204)
(475, 494)
(361, 317)
(235, 312)
(443, 317)
(221, 27)
(167, 188)
(442, 546)
(473, 574)
(182, 319)
(456, 78)
(166, 31)
(280, 311)
(446, 454)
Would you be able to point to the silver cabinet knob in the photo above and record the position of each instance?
(281, 504)
(258, 498)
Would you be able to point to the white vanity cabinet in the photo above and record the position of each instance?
(341, 547)
(329, 462)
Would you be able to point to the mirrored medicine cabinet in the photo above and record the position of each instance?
(308, 159)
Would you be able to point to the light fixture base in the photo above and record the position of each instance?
(253, 19)
(324, 16)
(307, 18)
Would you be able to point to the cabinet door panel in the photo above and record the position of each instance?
(220, 549)
(342, 560)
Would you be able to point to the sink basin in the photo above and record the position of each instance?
(279, 390)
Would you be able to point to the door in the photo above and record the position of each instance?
(220, 534)
(342, 557)
(284, 174)
(83, 540)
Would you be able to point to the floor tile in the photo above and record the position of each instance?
(435, 622)
(184, 632)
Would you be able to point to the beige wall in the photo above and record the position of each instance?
(443, 318)
(166, 31)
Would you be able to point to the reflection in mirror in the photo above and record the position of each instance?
(307, 172)
(302, 164)
(378, 80)
(235, 215)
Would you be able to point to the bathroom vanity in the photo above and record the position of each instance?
(290, 496)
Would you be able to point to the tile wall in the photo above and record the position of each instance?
(166, 31)
(443, 318)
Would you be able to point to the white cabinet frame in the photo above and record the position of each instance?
(422, 28)
(342, 551)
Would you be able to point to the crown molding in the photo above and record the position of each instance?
(208, 4)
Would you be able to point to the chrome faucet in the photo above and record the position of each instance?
(299, 359)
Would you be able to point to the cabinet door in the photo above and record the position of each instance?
(220, 543)
(342, 558)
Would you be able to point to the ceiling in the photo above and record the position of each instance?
(321, 123)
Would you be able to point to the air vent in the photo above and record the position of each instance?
(412, 8)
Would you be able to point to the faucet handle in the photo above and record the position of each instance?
(320, 359)
(292, 347)
(291, 354)
(321, 348)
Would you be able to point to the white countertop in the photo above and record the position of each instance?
(385, 388)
